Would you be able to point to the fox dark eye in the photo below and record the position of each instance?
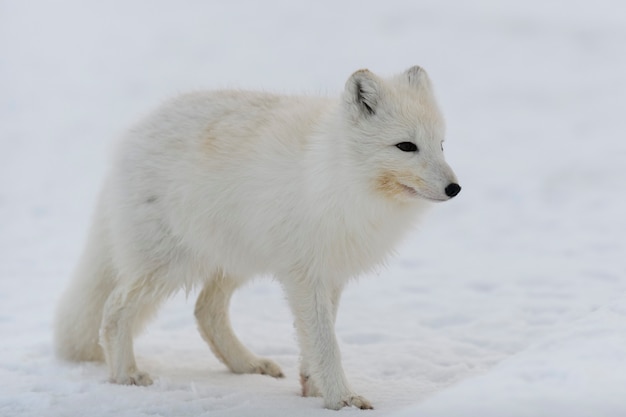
(407, 146)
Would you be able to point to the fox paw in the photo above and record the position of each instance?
(268, 367)
(135, 378)
(260, 366)
(349, 400)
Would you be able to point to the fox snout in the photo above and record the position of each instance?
(452, 189)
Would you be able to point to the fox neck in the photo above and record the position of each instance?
(342, 200)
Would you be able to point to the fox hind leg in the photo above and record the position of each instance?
(125, 308)
(214, 325)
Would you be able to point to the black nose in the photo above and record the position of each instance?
(453, 189)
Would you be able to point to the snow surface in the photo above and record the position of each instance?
(507, 301)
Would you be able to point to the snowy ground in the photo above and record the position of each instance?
(508, 301)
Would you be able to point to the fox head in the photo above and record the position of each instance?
(399, 133)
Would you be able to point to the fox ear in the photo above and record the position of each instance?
(363, 90)
(415, 75)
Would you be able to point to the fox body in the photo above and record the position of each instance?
(217, 187)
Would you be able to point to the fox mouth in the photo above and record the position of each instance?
(410, 190)
(395, 185)
(414, 193)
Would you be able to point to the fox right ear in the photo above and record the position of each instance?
(417, 76)
(414, 74)
(363, 90)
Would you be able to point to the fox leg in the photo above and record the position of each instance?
(124, 311)
(314, 307)
(309, 389)
(214, 325)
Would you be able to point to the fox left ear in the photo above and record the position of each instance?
(363, 89)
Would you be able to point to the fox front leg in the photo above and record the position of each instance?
(314, 308)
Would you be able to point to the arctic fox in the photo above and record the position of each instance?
(217, 187)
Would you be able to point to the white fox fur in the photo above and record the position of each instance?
(217, 187)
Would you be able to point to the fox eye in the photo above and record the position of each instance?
(407, 146)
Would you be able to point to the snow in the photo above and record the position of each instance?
(575, 372)
(509, 300)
